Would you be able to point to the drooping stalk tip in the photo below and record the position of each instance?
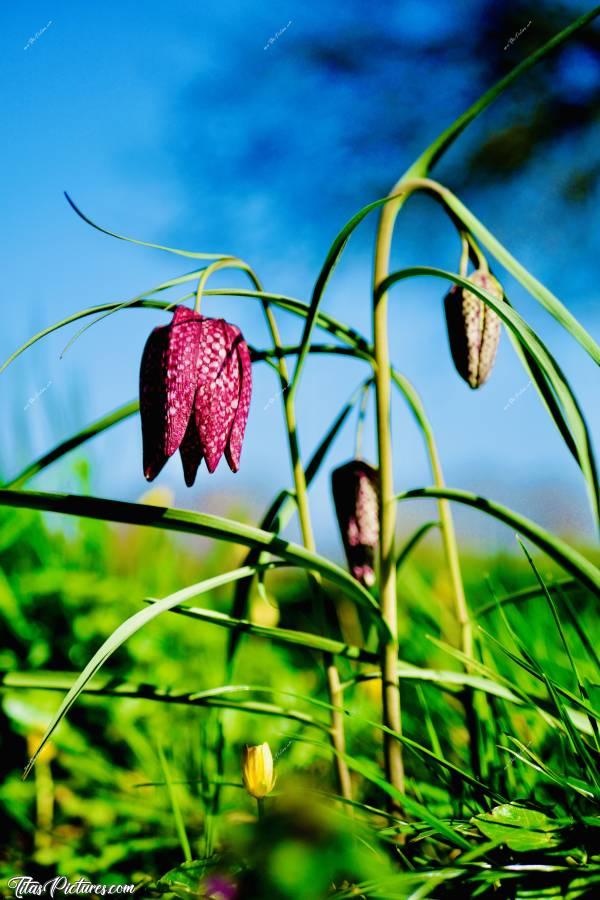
(355, 489)
(195, 390)
(473, 328)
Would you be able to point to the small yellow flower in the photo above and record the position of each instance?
(257, 770)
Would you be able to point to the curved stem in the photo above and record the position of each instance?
(338, 737)
(229, 263)
(480, 259)
(445, 513)
(463, 265)
(388, 575)
(392, 718)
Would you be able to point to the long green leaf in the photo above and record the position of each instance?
(579, 715)
(545, 392)
(188, 522)
(446, 678)
(535, 346)
(121, 634)
(277, 635)
(90, 431)
(570, 560)
(332, 259)
(524, 594)
(327, 323)
(175, 807)
(438, 147)
(108, 686)
(188, 253)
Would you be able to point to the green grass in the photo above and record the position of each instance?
(525, 812)
(135, 668)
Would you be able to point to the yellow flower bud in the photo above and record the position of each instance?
(257, 771)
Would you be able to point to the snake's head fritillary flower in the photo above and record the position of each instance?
(473, 328)
(355, 488)
(195, 388)
(257, 770)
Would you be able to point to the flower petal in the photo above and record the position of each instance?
(233, 450)
(218, 391)
(168, 378)
(190, 451)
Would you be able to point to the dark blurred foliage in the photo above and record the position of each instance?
(362, 96)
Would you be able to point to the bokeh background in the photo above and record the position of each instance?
(258, 130)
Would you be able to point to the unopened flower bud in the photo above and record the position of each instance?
(257, 770)
(473, 328)
(355, 488)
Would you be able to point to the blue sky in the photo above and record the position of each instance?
(175, 124)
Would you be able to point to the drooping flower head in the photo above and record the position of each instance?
(355, 488)
(257, 770)
(195, 388)
(473, 329)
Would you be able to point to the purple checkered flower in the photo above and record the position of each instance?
(355, 488)
(195, 388)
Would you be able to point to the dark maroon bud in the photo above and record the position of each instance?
(355, 488)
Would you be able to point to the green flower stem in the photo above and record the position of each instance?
(465, 250)
(338, 737)
(450, 543)
(388, 587)
(335, 693)
(228, 263)
(392, 718)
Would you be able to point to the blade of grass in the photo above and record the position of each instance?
(569, 559)
(188, 522)
(534, 701)
(175, 807)
(108, 686)
(413, 542)
(120, 237)
(441, 828)
(97, 427)
(525, 594)
(277, 635)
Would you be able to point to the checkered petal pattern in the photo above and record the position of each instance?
(195, 389)
(168, 386)
(473, 329)
(355, 488)
(233, 451)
